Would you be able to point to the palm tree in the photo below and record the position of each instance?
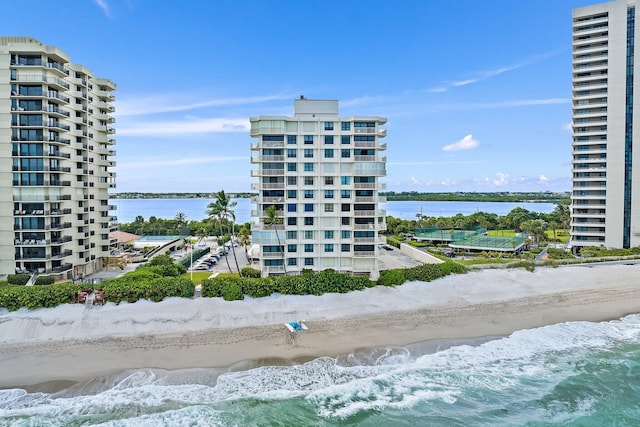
(221, 208)
(271, 220)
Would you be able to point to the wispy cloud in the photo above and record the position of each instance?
(172, 128)
(176, 162)
(168, 103)
(500, 182)
(466, 143)
(492, 73)
(426, 163)
(102, 4)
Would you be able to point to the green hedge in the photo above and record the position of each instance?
(250, 272)
(393, 242)
(417, 244)
(18, 279)
(152, 288)
(31, 297)
(44, 280)
(527, 265)
(305, 284)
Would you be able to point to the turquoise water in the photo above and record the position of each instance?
(570, 374)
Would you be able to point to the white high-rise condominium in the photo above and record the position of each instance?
(319, 173)
(56, 144)
(605, 206)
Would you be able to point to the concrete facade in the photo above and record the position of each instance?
(321, 172)
(605, 207)
(56, 150)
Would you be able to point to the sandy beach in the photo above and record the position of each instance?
(71, 343)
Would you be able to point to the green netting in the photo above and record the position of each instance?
(470, 239)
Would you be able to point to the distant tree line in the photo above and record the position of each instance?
(518, 219)
(477, 197)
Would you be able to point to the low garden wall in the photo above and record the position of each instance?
(418, 255)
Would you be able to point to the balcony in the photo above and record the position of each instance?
(364, 213)
(57, 67)
(364, 254)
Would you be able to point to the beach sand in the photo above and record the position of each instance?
(71, 343)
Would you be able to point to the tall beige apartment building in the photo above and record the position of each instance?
(56, 150)
(605, 206)
(321, 172)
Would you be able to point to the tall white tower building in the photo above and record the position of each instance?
(605, 207)
(56, 149)
(320, 173)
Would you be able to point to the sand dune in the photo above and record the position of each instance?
(71, 343)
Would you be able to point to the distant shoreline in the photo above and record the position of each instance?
(511, 197)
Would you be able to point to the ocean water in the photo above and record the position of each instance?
(195, 209)
(569, 374)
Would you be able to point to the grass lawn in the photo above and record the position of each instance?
(562, 235)
(4, 285)
(198, 276)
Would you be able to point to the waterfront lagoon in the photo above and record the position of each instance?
(196, 209)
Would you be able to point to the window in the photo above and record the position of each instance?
(308, 194)
(308, 153)
(346, 220)
(308, 207)
(345, 139)
(364, 125)
(308, 139)
(328, 234)
(345, 247)
(292, 261)
(277, 138)
(345, 153)
(308, 247)
(292, 221)
(308, 234)
(345, 234)
(291, 152)
(308, 261)
(328, 247)
(291, 207)
(292, 180)
(292, 248)
(345, 126)
(328, 180)
(292, 194)
(308, 180)
(328, 194)
(328, 125)
(328, 207)
(328, 139)
(328, 153)
(345, 180)
(308, 167)
(291, 167)
(291, 139)
(292, 234)
(308, 220)
(345, 194)
(346, 207)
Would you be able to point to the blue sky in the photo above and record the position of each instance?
(477, 93)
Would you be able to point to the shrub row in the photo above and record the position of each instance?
(421, 273)
(131, 289)
(232, 287)
(417, 244)
(393, 242)
(15, 297)
(227, 285)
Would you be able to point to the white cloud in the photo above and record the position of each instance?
(567, 127)
(102, 4)
(501, 179)
(543, 179)
(168, 103)
(466, 143)
(172, 128)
